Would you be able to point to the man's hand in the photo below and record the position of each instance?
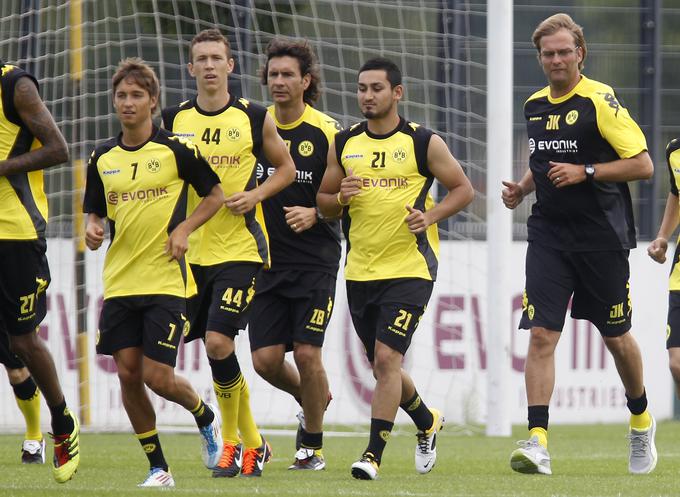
(657, 250)
(416, 220)
(300, 218)
(178, 242)
(512, 194)
(94, 235)
(242, 202)
(350, 186)
(562, 174)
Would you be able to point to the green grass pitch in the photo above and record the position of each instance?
(586, 460)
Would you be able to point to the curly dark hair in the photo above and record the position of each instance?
(302, 51)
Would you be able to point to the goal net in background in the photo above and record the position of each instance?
(441, 52)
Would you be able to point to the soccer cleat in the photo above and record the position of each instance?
(211, 440)
(66, 452)
(642, 453)
(531, 458)
(365, 468)
(426, 447)
(254, 459)
(157, 477)
(230, 463)
(308, 459)
(33, 452)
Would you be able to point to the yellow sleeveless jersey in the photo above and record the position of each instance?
(143, 191)
(394, 174)
(673, 160)
(24, 205)
(230, 139)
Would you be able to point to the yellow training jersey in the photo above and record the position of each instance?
(394, 174)
(673, 160)
(144, 192)
(230, 139)
(24, 205)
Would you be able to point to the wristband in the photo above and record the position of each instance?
(340, 200)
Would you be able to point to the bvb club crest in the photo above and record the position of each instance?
(153, 166)
(572, 116)
(305, 149)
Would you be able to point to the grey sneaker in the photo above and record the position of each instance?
(300, 429)
(642, 454)
(308, 459)
(531, 458)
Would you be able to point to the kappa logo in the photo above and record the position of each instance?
(111, 172)
(612, 102)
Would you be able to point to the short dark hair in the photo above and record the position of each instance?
(141, 73)
(382, 64)
(302, 51)
(211, 34)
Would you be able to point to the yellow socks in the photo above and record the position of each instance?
(542, 435)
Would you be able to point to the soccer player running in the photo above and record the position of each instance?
(29, 142)
(294, 298)
(228, 252)
(27, 397)
(584, 149)
(139, 181)
(379, 174)
(657, 251)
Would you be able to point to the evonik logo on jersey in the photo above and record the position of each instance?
(558, 146)
(300, 176)
(385, 183)
(148, 195)
(224, 160)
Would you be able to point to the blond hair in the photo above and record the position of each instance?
(552, 25)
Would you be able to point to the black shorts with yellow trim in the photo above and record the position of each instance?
(24, 278)
(291, 307)
(387, 310)
(597, 280)
(155, 323)
(673, 321)
(223, 300)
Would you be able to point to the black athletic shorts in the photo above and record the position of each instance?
(223, 300)
(24, 278)
(387, 310)
(673, 322)
(7, 357)
(291, 306)
(597, 280)
(153, 322)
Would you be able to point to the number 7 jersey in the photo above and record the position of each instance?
(230, 139)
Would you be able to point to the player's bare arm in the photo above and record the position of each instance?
(337, 189)
(448, 172)
(634, 168)
(277, 154)
(39, 121)
(94, 231)
(178, 241)
(514, 193)
(669, 223)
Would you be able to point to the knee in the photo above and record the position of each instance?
(267, 365)
(385, 362)
(218, 346)
(307, 358)
(543, 341)
(159, 383)
(129, 377)
(17, 376)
